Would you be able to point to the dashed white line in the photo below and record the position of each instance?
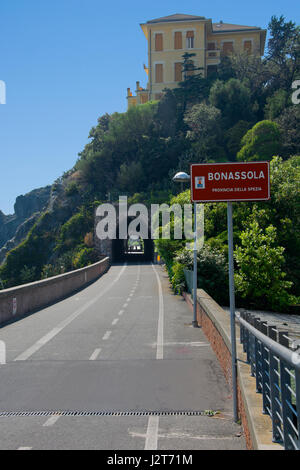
(128, 300)
(51, 421)
(160, 329)
(115, 321)
(45, 339)
(121, 312)
(125, 305)
(152, 433)
(95, 354)
(106, 336)
(153, 421)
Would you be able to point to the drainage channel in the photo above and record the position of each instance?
(11, 414)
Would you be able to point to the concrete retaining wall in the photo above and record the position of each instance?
(215, 323)
(18, 301)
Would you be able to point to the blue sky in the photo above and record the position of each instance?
(67, 62)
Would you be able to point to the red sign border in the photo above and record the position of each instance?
(231, 200)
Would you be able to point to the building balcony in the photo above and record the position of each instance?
(213, 55)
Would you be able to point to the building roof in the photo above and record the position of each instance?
(176, 17)
(224, 27)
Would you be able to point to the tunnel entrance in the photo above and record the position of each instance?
(132, 251)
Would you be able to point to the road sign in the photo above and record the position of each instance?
(246, 181)
(221, 182)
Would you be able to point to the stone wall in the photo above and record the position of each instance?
(19, 301)
(215, 323)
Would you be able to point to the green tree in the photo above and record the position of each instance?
(233, 138)
(283, 55)
(204, 124)
(260, 277)
(289, 124)
(261, 142)
(276, 104)
(233, 99)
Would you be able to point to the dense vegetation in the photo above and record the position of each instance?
(242, 112)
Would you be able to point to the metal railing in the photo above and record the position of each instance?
(276, 369)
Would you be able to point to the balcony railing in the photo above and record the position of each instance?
(213, 54)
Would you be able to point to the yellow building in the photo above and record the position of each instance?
(172, 36)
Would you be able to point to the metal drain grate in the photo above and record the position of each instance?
(11, 414)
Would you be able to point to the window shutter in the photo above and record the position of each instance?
(178, 40)
(158, 42)
(158, 73)
(228, 48)
(178, 72)
(248, 46)
(190, 34)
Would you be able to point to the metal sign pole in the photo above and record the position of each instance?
(195, 323)
(232, 309)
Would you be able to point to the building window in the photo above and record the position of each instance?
(178, 71)
(158, 42)
(248, 46)
(211, 46)
(190, 39)
(227, 48)
(178, 40)
(159, 78)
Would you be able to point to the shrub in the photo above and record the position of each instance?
(212, 271)
(260, 277)
(27, 274)
(177, 278)
(83, 257)
(72, 189)
(261, 142)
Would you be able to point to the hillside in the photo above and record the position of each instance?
(243, 112)
(27, 209)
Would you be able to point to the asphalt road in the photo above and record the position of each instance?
(115, 366)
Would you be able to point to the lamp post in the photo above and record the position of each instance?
(182, 177)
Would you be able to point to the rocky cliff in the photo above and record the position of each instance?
(15, 227)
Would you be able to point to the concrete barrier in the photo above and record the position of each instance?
(18, 301)
(215, 323)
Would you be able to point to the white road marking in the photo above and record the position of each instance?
(152, 433)
(115, 321)
(121, 312)
(193, 344)
(125, 305)
(24, 448)
(160, 330)
(51, 421)
(153, 421)
(95, 354)
(128, 300)
(107, 335)
(183, 435)
(45, 339)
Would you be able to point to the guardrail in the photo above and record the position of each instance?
(277, 372)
